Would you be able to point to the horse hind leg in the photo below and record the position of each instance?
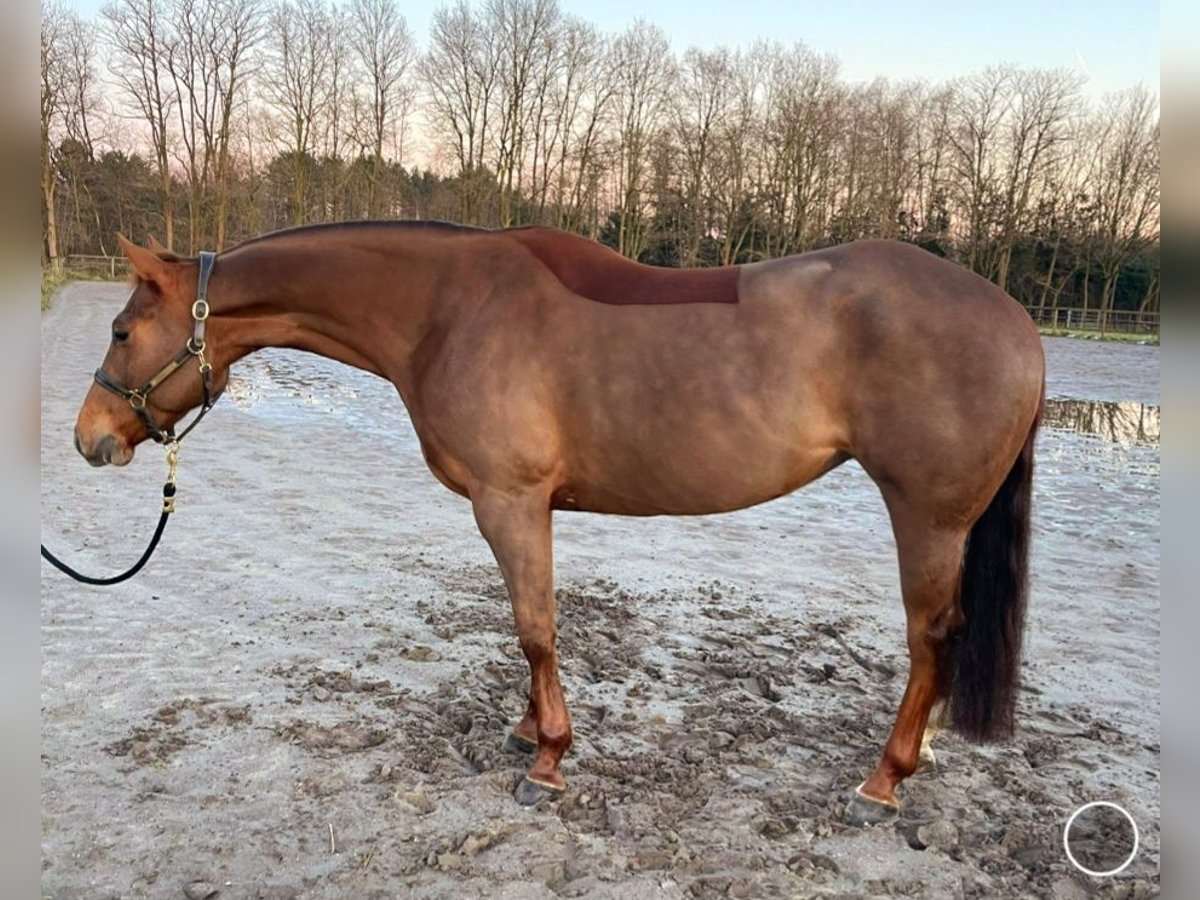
(930, 570)
(975, 590)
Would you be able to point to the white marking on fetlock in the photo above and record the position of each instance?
(927, 761)
(546, 785)
(938, 715)
(894, 804)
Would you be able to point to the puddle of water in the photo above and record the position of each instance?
(1120, 421)
(292, 388)
(1101, 371)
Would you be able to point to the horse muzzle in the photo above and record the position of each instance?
(107, 450)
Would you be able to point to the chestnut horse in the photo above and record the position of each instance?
(544, 372)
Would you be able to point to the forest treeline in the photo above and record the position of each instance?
(207, 121)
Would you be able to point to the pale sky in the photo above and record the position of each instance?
(1115, 43)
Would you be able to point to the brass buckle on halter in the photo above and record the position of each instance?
(196, 347)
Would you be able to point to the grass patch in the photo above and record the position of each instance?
(1122, 337)
(51, 282)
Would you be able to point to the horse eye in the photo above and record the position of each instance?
(120, 335)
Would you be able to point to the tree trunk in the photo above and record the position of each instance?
(49, 195)
(1050, 273)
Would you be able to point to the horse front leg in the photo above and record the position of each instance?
(524, 736)
(516, 524)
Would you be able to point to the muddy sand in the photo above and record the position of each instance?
(305, 693)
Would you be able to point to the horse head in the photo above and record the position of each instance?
(154, 371)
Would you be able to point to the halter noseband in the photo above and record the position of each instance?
(136, 397)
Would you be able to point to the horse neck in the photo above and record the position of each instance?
(358, 299)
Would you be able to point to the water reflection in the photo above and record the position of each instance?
(290, 387)
(1122, 422)
(269, 374)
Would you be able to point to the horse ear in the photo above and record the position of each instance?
(153, 244)
(146, 263)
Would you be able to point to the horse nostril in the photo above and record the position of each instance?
(105, 448)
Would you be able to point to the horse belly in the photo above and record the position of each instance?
(695, 473)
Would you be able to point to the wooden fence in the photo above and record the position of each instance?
(1129, 321)
(96, 266)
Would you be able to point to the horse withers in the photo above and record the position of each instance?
(544, 372)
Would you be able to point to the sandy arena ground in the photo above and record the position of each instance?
(304, 694)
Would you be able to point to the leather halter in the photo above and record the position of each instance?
(137, 397)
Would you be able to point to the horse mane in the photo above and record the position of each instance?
(355, 224)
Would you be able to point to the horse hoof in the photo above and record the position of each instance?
(864, 811)
(514, 743)
(926, 762)
(530, 793)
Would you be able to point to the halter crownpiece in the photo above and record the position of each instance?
(136, 397)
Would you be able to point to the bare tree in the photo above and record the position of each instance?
(980, 105)
(878, 172)
(80, 103)
(584, 104)
(53, 100)
(230, 59)
(208, 63)
(932, 151)
(560, 89)
(1125, 183)
(460, 72)
(139, 41)
(296, 89)
(705, 82)
(644, 71)
(1044, 104)
(338, 78)
(728, 182)
(523, 31)
(385, 51)
(1058, 218)
(801, 124)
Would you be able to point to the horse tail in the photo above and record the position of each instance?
(985, 655)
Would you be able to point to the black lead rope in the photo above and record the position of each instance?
(168, 508)
(137, 400)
